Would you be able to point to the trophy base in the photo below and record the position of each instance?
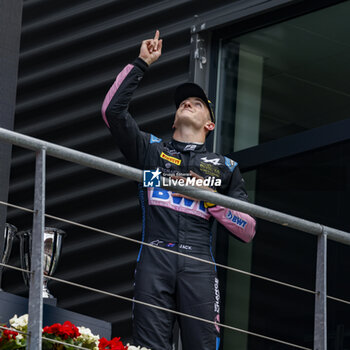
(50, 301)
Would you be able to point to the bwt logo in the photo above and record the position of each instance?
(151, 178)
(163, 198)
(235, 219)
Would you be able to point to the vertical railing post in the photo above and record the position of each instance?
(320, 325)
(35, 302)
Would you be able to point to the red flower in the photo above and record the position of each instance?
(7, 334)
(65, 331)
(54, 329)
(114, 344)
(69, 330)
(103, 344)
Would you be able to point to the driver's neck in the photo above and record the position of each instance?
(188, 135)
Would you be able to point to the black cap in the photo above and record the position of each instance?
(193, 90)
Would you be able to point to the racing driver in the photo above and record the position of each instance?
(173, 221)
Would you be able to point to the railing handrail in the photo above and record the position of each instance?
(43, 148)
(115, 168)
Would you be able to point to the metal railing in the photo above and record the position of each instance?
(43, 148)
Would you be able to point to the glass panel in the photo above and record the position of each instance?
(315, 186)
(284, 79)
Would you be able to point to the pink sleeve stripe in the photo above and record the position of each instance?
(240, 224)
(120, 78)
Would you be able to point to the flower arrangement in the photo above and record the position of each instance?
(67, 333)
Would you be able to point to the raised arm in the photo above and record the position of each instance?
(132, 142)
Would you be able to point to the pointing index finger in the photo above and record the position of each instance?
(156, 36)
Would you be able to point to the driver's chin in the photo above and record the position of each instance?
(185, 116)
(186, 119)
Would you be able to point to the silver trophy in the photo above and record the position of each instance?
(52, 251)
(8, 236)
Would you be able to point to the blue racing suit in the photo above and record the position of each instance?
(176, 223)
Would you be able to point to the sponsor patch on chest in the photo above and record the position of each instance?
(163, 198)
(170, 159)
(209, 169)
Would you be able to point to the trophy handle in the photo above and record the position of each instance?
(25, 249)
(9, 234)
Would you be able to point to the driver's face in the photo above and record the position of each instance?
(192, 110)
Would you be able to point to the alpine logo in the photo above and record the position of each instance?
(157, 242)
(215, 161)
